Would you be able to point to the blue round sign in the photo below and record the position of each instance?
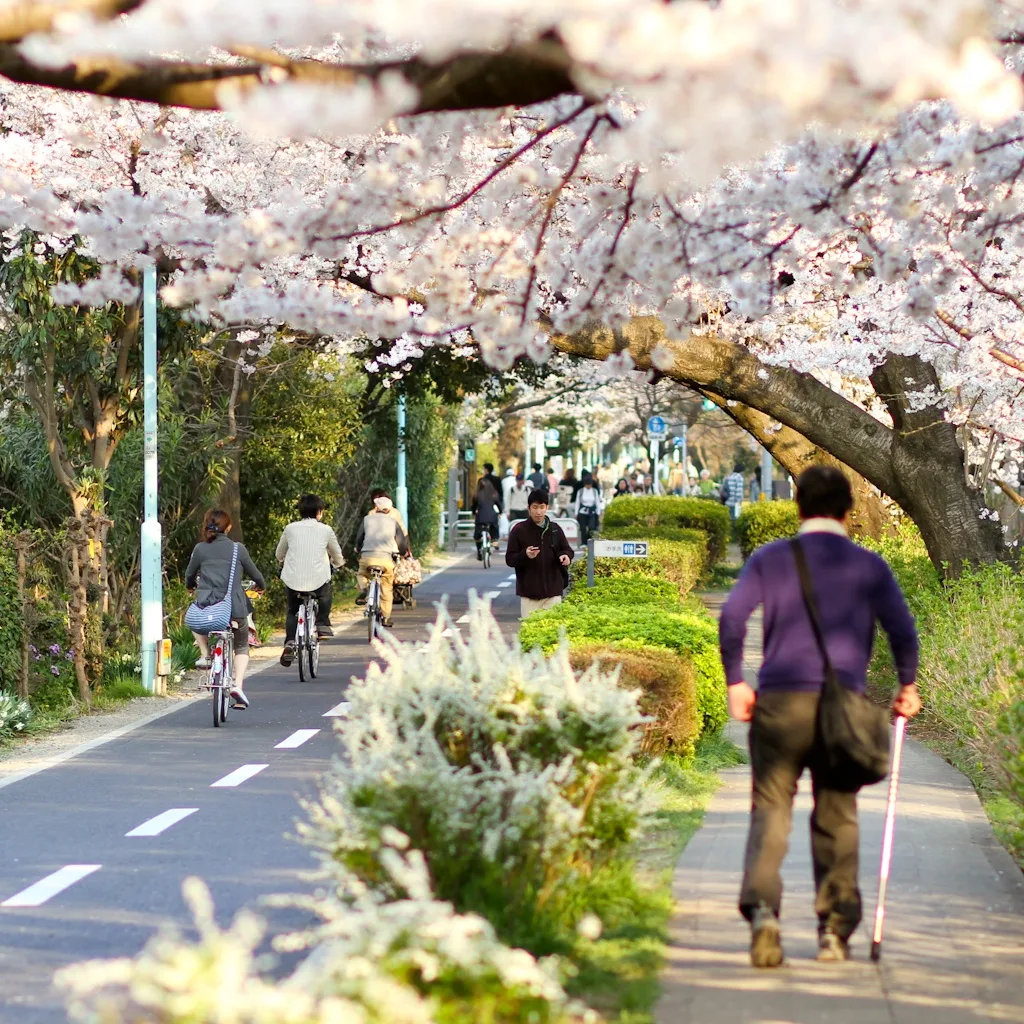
(657, 427)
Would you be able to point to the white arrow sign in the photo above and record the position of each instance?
(620, 549)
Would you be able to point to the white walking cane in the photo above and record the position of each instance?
(887, 838)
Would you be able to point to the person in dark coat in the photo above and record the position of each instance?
(486, 506)
(540, 553)
(208, 572)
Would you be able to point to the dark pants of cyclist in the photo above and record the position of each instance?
(478, 533)
(323, 612)
(588, 524)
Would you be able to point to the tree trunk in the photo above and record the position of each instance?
(795, 453)
(239, 410)
(916, 462)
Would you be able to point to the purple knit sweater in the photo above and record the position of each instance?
(853, 587)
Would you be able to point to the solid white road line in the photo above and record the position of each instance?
(162, 822)
(296, 739)
(38, 893)
(239, 775)
(339, 710)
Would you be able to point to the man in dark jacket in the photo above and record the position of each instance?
(540, 554)
(854, 589)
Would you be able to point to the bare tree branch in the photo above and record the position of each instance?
(18, 20)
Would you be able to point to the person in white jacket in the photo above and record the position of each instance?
(308, 549)
(508, 481)
(588, 509)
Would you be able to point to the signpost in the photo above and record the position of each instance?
(152, 571)
(552, 437)
(613, 549)
(470, 455)
(657, 431)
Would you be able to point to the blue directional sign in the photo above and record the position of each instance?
(657, 428)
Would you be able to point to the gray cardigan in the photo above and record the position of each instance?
(211, 563)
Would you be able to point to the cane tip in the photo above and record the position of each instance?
(876, 951)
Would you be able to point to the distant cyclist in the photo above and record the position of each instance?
(485, 514)
(209, 570)
(381, 539)
(308, 548)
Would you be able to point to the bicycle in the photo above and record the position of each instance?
(221, 677)
(307, 639)
(486, 546)
(374, 614)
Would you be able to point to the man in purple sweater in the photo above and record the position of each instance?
(854, 588)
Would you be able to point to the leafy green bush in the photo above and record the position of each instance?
(15, 714)
(667, 692)
(625, 588)
(681, 562)
(647, 513)
(761, 522)
(689, 632)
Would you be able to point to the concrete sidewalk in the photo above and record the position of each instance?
(954, 943)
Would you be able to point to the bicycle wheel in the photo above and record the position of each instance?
(314, 656)
(487, 556)
(225, 703)
(215, 689)
(300, 652)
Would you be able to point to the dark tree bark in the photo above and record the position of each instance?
(795, 453)
(916, 462)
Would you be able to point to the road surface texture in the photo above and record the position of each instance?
(94, 849)
(954, 942)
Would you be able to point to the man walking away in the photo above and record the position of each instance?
(733, 488)
(588, 508)
(491, 478)
(537, 478)
(308, 549)
(485, 514)
(380, 541)
(540, 554)
(853, 588)
(518, 500)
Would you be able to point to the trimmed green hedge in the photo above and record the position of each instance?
(680, 561)
(764, 521)
(627, 588)
(650, 513)
(636, 627)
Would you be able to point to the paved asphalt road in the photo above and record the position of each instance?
(74, 818)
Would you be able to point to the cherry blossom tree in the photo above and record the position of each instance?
(630, 181)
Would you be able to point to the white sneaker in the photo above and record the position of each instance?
(203, 664)
(241, 702)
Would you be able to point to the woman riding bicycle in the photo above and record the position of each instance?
(379, 542)
(210, 568)
(485, 506)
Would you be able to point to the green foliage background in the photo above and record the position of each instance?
(761, 522)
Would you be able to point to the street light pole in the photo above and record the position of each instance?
(686, 463)
(401, 491)
(152, 573)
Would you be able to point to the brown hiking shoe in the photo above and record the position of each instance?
(832, 948)
(765, 938)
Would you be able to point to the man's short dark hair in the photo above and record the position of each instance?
(309, 505)
(738, 468)
(489, 466)
(823, 491)
(536, 467)
(538, 496)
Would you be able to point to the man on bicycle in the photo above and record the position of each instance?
(381, 539)
(308, 548)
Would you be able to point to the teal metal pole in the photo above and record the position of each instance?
(152, 582)
(401, 491)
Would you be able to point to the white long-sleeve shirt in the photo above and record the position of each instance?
(308, 549)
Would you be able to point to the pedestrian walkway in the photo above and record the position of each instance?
(954, 944)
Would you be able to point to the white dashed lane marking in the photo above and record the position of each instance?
(339, 710)
(39, 892)
(463, 618)
(162, 822)
(492, 594)
(507, 583)
(296, 739)
(239, 775)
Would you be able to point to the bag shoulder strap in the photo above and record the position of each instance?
(807, 587)
(231, 575)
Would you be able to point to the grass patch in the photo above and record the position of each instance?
(1007, 817)
(618, 973)
(721, 576)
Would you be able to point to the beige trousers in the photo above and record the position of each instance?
(529, 605)
(387, 593)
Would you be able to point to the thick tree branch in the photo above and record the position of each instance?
(18, 20)
(517, 77)
(721, 367)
